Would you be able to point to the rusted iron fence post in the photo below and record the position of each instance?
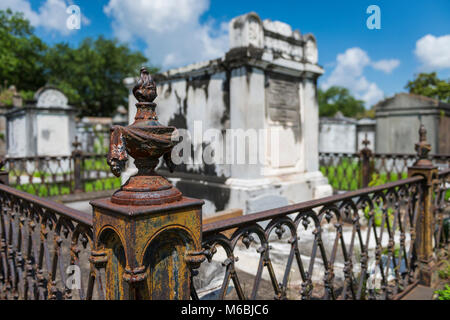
(366, 166)
(77, 156)
(425, 228)
(147, 236)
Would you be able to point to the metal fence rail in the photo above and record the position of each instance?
(44, 176)
(377, 242)
(40, 239)
(59, 175)
(357, 245)
(147, 241)
(362, 244)
(441, 215)
(351, 171)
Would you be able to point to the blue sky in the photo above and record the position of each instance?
(414, 35)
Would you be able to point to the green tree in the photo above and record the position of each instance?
(91, 75)
(336, 99)
(429, 85)
(21, 53)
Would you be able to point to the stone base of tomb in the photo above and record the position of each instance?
(250, 195)
(253, 195)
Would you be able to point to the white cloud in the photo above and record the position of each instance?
(386, 65)
(433, 52)
(171, 29)
(349, 71)
(22, 6)
(51, 15)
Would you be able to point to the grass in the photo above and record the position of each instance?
(378, 215)
(44, 190)
(342, 176)
(49, 188)
(447, 195)
(37, 174)
(396, 251)
(347, 176)
(444, 276)
(54, 189)
(444, 294)
(95, 164)
(444, 273)
(102, 184)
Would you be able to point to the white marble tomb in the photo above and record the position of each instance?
(267, 80)
(43, 127)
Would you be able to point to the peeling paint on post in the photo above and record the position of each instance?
(425, 230)
(147, 235)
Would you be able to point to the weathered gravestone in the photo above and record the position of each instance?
(266, 82)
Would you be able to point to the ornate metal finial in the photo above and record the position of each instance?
(145, 88)
(145, 93)
(366, 141)
(423, 148)
(76, 144)
(422, 133)
(366, 152)
(146, 140)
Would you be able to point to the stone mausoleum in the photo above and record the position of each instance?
(340, 134)
(42, 127)
(267, 80)
(398, 119)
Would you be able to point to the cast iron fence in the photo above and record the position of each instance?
(47, 176)
(441, 215)
(358, 245)
(351, 171)
(40, 240)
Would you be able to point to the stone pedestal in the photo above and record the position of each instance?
(147, 250)
(147, 236)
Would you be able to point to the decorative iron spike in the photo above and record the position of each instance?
(366, 141)
(423, 148)
(422, 133)
(76, 144)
